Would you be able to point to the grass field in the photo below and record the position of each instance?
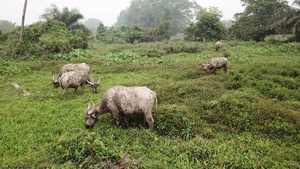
(247, 118)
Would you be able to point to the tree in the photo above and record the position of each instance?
(255, 23)
(101, 32)
(297, 31)
(295, 20)
(70, 18)
(23, 22)
(163, 26)
(135, 32)
(6, 26)
(207, 27)
(147, 12)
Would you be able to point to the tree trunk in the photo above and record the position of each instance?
(297, 31)
(23, 22)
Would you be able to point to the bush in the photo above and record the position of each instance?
(123, 57)
(43, 38)
(8, 69)
(77, 53)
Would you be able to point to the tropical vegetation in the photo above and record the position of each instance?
(248, 117)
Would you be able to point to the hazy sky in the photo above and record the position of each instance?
(106, 11)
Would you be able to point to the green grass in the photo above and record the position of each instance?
(247, 118)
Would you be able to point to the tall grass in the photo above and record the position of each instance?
(247, 118)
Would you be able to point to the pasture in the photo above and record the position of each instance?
(247, 118)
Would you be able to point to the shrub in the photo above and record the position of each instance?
(150, 52)
(55, 42)
(123, 57)
(43, 38)
(77, 53)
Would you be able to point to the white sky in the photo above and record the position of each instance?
(106, 11)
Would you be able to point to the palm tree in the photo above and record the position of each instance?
(296, 20)
(286, 20)
(69, 17)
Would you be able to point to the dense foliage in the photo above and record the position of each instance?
(42, 39)
(261, 18)
(147, 12)
(247, 118)
(136, 33)
(208, 26)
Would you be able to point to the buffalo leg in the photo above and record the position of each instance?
(150, 122)
(126, 120)
(144, 123)
(225, 68)
(82, 88)
(65, 91)
(75, 90)
(116, 116)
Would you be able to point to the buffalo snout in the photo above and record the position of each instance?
(89, 127)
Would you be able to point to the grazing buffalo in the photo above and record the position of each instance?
(75, 79)
(218, 46)
(214, 64)
(123, 101)
(69, 68)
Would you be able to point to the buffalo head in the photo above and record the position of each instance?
(94, 85)
(55, 82)
(90, 116)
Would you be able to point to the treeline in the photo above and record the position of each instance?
(152, 21)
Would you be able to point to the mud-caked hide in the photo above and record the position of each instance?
(216, 63)
(124, 101)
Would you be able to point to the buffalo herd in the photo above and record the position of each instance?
(118, 100)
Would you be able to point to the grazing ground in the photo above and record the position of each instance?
(247, 118)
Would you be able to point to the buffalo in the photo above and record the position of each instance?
(218, 46)
(214, 64)
(75, 79)
(123, 101)
(69, 68)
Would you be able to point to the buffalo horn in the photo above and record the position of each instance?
(99, 80)
(89, 82)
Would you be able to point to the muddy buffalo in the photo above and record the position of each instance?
(218, 46)
(75, 79)
(123, 101)
(70, 68)
(214, 64)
